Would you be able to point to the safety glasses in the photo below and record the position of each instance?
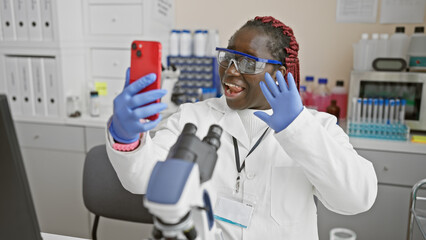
(244, 63)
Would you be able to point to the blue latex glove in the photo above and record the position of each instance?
(126, 124)
(285, 101)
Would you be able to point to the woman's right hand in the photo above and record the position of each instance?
(128, 115)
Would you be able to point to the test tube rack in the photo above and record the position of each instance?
(396, 131)
(198, 78)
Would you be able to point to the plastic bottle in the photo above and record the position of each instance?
(302, 92)
(174, 42)
(321, 95)
(399, 42)
(185, 43)
(361, 53)
(340, 95)
(334, 109)
(200, 40)
(373, 44)
(309, 83)
(94, 104)
(212, 42)
(417, 49)
(383, 46)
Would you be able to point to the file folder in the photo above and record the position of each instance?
(46, 19)
(38, 86)
(51, 80)
(12, 84)
(7, 20)
(24, 76)
(21, 23)
(34, 20)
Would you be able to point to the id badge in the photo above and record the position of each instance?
(233, 212)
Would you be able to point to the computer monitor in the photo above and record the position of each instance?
(18, 218)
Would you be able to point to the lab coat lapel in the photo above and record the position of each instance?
(231, 123)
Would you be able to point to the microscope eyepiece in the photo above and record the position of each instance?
(189, 128)
(213, 136)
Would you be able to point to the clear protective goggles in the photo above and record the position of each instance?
(244, 63)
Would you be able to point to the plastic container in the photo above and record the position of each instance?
(372, 47)
(321, 95)
(94, 104)
(310, 86)
(417, 49)
(185, 43)
(340, 95)
(382, 50)
(174, 42)
(342, 234)
(200, 40)
(212, 42)
(302, 92)
(399, 43)
(361, 50)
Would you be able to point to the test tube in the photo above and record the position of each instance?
(358, 110)
(402, 112)
(353, 116)
(380, 115)
(364, 110)
(386, 112)
(375, 107)
(391, 111)
(397, 106)
(369, 109)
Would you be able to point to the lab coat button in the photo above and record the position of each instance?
(250, 175)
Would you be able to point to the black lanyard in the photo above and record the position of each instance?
(237, 157)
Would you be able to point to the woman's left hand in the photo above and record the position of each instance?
(285, 101)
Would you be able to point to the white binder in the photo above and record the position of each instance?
(46, 19)
(39, 87)
(34, 20)
(21, 22)
(24, 76)
(12, 84)
(52, 88)
(7, 20)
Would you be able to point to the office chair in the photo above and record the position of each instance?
(104, 195)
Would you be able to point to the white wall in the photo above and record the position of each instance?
(325, 45)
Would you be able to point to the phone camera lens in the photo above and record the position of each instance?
(138, 53)
(134, 46)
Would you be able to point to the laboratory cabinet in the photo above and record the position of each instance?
(54, 155)
(397, 171)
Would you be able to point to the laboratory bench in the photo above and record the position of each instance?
(399, 165)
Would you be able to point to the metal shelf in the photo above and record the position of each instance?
(416, 214)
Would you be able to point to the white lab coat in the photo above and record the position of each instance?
(312, 156)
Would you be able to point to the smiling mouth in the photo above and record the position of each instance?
(232, 90)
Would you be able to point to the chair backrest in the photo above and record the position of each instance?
(103, 193)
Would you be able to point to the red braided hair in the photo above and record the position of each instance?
(291, 60)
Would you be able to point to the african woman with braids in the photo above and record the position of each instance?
(275, 156)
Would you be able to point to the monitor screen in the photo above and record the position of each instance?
(18, 219)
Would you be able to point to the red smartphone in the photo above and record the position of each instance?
(146, 59)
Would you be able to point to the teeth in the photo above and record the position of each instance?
(231, 85)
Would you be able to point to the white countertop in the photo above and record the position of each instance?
(388, 145)
(48, 236)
